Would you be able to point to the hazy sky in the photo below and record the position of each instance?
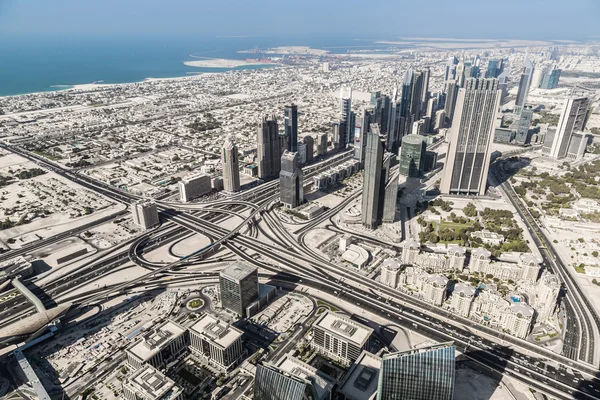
(372, 19)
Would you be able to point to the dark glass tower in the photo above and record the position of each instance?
(291, 187)
(239, 287)
(412, 155)
(270, 383)
(291, 127)
(421, 374)
(269, 149)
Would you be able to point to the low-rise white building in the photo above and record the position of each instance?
(159, 347)
(410, 251)
(518, 319)
(147, 383)
(488, 237)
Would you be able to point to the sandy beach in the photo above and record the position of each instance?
(449, 43)
(222, 63)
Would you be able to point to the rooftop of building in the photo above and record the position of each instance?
(322, 382)
(14, 266)
(152, 383)
(238, 271)
(485, 234)
(361, 381)
(219, 332)
(193, 177)
(528, 258)
(480, 252)
(344, 327)
(522, 309)
(411, 243)
(156, 339)
(413, 139)
(419, 350)
(390, 263)
(456, 250)
(438, 280)
(464, 289)
(356, 255)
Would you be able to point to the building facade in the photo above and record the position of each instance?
(466, 168)
(231, 166)
(145, 214)
(268, 149)
(291, 180)
(193, 186)
(238, 284)
(412, 155)
(217, 342)
(573, 119)
(290, 121)
(147, 383)
(426, 373)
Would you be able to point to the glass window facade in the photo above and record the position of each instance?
(423, 374)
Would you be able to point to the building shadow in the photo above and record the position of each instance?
(493, 366)
(505, 168)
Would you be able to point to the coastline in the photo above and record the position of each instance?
(224, 63)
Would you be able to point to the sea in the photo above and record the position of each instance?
(39, 64)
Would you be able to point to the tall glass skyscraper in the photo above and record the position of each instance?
(268, 149)
(238, 284)
(290, 119)
(524, 84)
(272, 384)
(426, 373)
(412, 155)
(472, 132)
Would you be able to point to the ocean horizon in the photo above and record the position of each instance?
(30, 65)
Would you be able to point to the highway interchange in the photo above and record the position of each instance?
(290, 261)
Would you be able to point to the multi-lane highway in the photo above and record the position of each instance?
(297, 263)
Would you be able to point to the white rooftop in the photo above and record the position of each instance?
(344, 327)
(156, 340)
(217, 331)
(152, 384)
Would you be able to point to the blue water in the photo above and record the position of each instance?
(30, 65)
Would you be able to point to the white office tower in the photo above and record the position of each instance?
(471, 136)
(145, 214)
(216, 342)
(193, 186)
(572, 120)
(390, 271)
(231, 166)
(462, 299)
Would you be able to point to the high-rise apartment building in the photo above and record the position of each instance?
(522, 135)
(550, 78)
(494, 69)
(573, 119)
(503, 84)
(450, 71)
(269, 149)
(347, 116)
(290, 120)
(524, 84)
(145, 214)
(412, 155)
(322, 144)
(291, 180)
(426, 373)
(231, 166)
(472, 132)
(238, 284)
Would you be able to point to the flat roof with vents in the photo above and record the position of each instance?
(345, 328)
(217, 331)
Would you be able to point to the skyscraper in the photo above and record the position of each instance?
(425, 90)
(503, 84)
(450, 72)
(522, 134)
(573, 119)
(450, 103)
(367, 118)
(291, 185)
(347, 116)
(390, 196)
(524, 84)
(550, 78)
(460, 72)
(291, 379)
(309, 142)
(231, 166)
(290, 119)
(412, 155)
(472, 132)
(426, 373)
(494, 69)
(269, 149)
(411, 106)
(238, 284)
(371, 197)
